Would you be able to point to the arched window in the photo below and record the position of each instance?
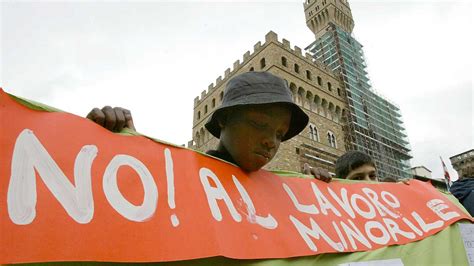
(297, 68)
(201, 134)
(199, 115)
(262, 63)
(338, 91)
(205, 109)
(197, 139)
(221, 95)
(308, 75)
(332, 139)
(324, 108)
(309, 101)
(317, 104)
(251, 69)
(293, 91)
(213, 103)
(284, 61)
(329, 86)
(320, 81)
(300, 97)
(330, 113)
(313, 132)
(337, 116)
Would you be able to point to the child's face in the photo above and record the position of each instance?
(252, 134)
(364, 172)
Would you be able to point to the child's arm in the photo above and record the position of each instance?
(113, 119)
(317, 172)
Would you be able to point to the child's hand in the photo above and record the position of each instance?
(404, 181)
(317, 172)
(113, 119)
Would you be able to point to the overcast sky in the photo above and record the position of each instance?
(155, 57)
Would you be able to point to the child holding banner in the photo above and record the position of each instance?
(257, 114)
(356, 165)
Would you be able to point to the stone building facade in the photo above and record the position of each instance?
(463, 163)
(317, 89)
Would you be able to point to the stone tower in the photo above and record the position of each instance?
(319, 13)
(374, 123)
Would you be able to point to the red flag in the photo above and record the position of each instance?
(447, 178)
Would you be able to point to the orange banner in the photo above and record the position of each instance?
(72, 191)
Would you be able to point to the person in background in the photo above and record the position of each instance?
(356, 165)
(463, 189)
(257, 114)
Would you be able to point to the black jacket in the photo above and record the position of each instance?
(463, 191)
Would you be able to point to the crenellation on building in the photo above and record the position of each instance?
(210, 87)
(246, 56)
(271, 36)
(257, 46)
(218, 81)
(236, 66)
(226, 73)
(298, 51)
(286, 44)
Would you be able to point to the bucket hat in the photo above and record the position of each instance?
(254, 88)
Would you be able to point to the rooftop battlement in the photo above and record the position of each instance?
(270, 37)
(308, 3)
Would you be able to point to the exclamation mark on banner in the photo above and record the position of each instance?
(170, 181)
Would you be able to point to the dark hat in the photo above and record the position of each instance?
(253, 88)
